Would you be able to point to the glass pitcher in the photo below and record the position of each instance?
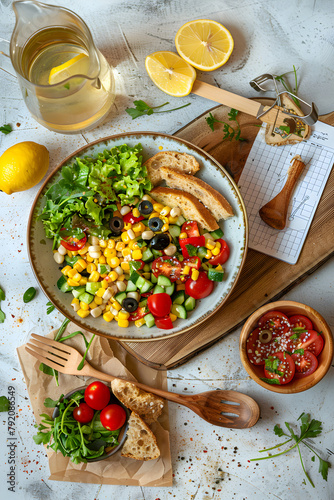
(66, 83)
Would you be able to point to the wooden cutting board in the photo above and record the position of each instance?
(263, 279)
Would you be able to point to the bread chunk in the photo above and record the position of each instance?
(140, 442)
(148, 406)
(216, 203)
(183, 162)
(191, 208)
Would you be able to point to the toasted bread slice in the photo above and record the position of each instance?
(191, 208)
(172, 159)
(276, 136)
(216, 203)
(140, 442)
(148, 406)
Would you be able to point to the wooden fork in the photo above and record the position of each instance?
(224, 408)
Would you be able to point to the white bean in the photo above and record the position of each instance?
(113, 311)
(95, 255)
(147, 235)
(96, 312)
(125, 210)
(147, 197)
(133, 295)
(94, 248)
(58, 258)
(121, 286)
(170, 250)
(131, 234)
(93, 240)
(62, 250)
(175, 212)
(207, 236)
(76, 307)
(118, 270)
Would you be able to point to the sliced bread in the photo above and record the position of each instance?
(140, 443)
(276, 136)
(148, 406)
(183, 162)
(216, 203)
(191, 208)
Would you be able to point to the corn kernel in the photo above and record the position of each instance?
(102, 259)
(208, 254)
(111, 244)
(83, 250)
(83, 313)
(96, 262)
(165, 228)
(104, 284)
(77, 277)
(71, 282)
(83, 281)
(108, 316)
(75, 301)
(125, 237)
(110, 252)
(108, 306)
(135, 212)
(93, 304)
(97, 299)
(183, 235)
(121, 277)
(210, 244)
(71, 273)
(100, 292)
(219, 268)
(84, 306)
(165, 211)
(172, 220)
(120, 245)
(78, 267)
(126, 251)
(140, 322)
(180, 287)
(194, 274)
(215, 251)
(123, 323)
(138, 228)
(114, 262)
(82, 263)
(113, 276)
(65, 270)
(133, 244)
(154, 214)
(89, 258)
(91, 268)
(127, 226)
(116, 305)
(136, 254)
(146, 275)
(157, 207)
(125, 266)
(69, 253)
(123, 315)
(186, 270)
(172, 317)
(74, 253)
(103, 243)
(94, 277)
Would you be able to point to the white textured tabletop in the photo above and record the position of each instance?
(208, 462)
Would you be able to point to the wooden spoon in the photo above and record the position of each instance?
(275, 211)
(224, 408)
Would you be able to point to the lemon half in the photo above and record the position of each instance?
(204, 44)
(170, 73)
(78, 65)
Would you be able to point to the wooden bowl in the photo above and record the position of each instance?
(289, 308)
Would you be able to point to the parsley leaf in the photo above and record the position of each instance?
(2, 294)
(278, 431)
(229, 131)
(142, 108)
(2, 314)
(272, 364)
(6, 129)
(50, 307)
(4, 403)
(272, 381)
(191, 250)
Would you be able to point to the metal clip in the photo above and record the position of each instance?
(259, 84)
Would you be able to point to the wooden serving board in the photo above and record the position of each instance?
(263, 279)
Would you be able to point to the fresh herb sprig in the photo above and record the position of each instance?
(4, 403)
(142, 108)
(282, 79)
(6, 129)
(2, 314)
(50, 307)
(308, 429)
(230, 132)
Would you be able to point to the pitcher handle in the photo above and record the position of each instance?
(5, 62)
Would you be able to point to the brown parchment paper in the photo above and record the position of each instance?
(109, 357)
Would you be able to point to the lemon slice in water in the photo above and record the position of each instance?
(77, 65)
(170, 73)
(204, 44)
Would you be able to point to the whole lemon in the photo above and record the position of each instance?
(22, 166)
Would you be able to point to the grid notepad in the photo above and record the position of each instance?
(264, 176)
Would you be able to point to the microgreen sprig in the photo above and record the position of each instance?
(282, 79)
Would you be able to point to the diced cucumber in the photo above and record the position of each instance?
(134, 276)
(143, 284)
(120, 297)
(141, 243)
(131, 286)
(93, 287)
(149, 320)
(157, 253)
(147, 255)
(218, 233)
(147, 268)
(190, 303)
(164, 281)
(170, 289)
(154, 279)
(72, 260)
(62, 284)
(201, 252)
(78, 291)
(174, 230)
(142, 303)
(103, 268)
(180, 220)
(134, 265)
(145, 222)
(86, 297)
(179, 311)
(216, 274)
(158, 289)
(179, 297)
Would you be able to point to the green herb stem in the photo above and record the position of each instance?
(277, 446)
(82, 362)
(308, 477)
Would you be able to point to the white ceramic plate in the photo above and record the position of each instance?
(235, 232)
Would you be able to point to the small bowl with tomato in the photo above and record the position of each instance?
(93, 416)
(286, 347)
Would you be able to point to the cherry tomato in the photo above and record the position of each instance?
(113, 417)
(138, 314)
(195, 241)
(275, 320)
(311, 341)
(167, 266)
(147, 294)
(284, 370)
(130, 218)
(257, 350)
(72, 243)
(97, 395)
(164, 323)
(200, 288)
(159, 304)
(223, 255)
(193, 262)
(83, 413)
(298, 320)
(191, 228)
(305, 364)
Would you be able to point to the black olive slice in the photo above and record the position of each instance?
(155, 224)
(265, 336)
(160, 241)
(145, 207)
(116, 225)
(130, 304)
